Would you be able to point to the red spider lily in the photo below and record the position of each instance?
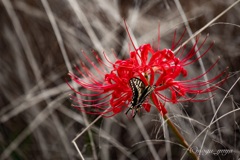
(109, 93)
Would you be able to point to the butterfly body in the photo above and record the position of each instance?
(140, 93)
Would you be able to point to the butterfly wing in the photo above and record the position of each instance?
(148, 90)
(137, 87)
(139, 92)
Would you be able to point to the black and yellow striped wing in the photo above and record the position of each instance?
(139, 94)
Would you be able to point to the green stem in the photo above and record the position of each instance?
(180, 137)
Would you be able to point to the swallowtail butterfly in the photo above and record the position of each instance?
(140, 92)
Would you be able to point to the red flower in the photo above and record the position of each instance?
(160, 69)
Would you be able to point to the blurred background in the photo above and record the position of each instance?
(40, 41)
